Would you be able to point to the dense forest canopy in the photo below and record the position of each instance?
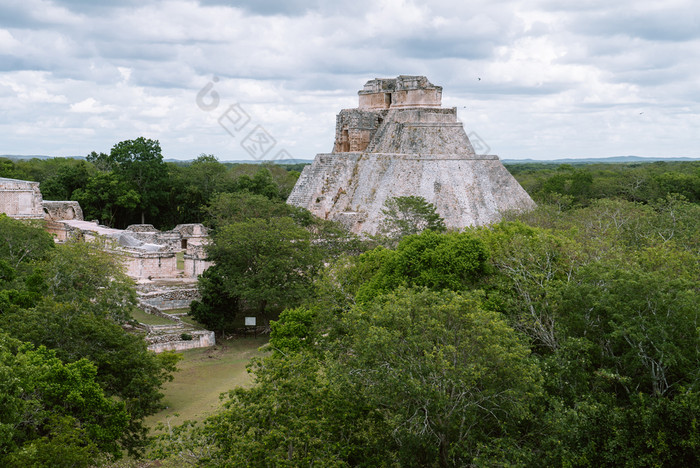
(565, 336)
(133, 184)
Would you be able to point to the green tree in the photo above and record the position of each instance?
(530, 267)
(64, 176)
(448, 375)
(51, 413)
(21, 243)
(194, 185)
(274, 261)
(219, 307)
(107, 198)
(71, 299)
(260, 184)
(405, 216)
(264, 262)
(126, 369)
(85, 275)
(419, 378)
(228, 208)
(452, 261)
(138, 164)
(7, 168)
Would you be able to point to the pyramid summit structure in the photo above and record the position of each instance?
(399, 142)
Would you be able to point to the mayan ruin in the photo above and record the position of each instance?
(398, 142)
(164, 265)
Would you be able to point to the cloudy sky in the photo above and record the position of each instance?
(538, 79)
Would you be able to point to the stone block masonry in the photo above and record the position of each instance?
(20, 199)
(170, 298)
(200, 339)
(400, 142)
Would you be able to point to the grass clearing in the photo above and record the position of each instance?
(204, 374)
(150, 319)
(191, 321)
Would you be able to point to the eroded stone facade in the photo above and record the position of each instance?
(147, 252)
(20, 199)
(401, 142)
(150, 254)
(150, 257)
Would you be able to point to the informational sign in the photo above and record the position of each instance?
(250, 321)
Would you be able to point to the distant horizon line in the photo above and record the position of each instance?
(626, 158)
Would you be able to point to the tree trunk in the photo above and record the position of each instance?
(143, 217)
(444, 452)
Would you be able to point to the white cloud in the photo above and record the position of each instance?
(557, 78)
(90, 106)
(8, 44)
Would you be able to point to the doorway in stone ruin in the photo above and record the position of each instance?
(387, 99)
(183, 244)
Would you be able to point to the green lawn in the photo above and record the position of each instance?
(204, 374)
(150, 319)
(191, 321)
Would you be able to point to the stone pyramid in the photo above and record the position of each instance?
(401, 142)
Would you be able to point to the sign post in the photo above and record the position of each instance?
(250, 323)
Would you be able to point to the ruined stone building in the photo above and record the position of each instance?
(164, 264)
(401, 142)
(147, 253)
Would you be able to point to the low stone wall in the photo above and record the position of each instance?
(170, 299)
(200, 339)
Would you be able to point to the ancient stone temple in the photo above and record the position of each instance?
(401, 142)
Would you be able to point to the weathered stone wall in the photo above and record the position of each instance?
(150, 264)
(175, 239)
(188, 231)
(422, 131)
(20, 199)
(58, 230)
(155, 310)
(355, 128)
(417, 97)
(195, 266)
(169, 337)
(61, 210)
(200, 339)
(150, 235)
(403, 91)
(147, 252)
(195, 258)
(171, 299)
(352, 187)
(142, 228)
